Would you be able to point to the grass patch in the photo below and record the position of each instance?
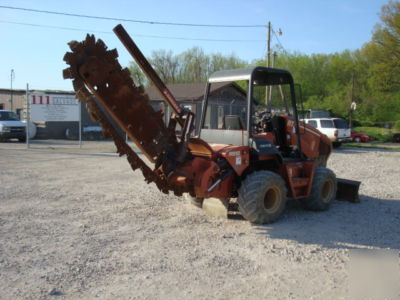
(372, 145)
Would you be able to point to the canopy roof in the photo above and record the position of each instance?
(259, 76)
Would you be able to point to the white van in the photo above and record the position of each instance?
(336, 129)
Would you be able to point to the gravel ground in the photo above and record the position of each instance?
(78, 223)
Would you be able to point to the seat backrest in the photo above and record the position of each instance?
(279, 128)
(233, 122)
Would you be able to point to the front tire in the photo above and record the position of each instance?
(357, 139)
(323, 190)
(262, 197)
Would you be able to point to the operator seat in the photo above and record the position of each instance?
(279, 128)
(232, 122)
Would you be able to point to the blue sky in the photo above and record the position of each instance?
(308, 26)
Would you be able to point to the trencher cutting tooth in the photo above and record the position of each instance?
(90, 40)
(67, 73)
(112, 54)
(73, 45)
(101, 44)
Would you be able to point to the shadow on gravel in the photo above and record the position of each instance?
(373, 222)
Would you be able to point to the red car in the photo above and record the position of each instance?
(359, 137)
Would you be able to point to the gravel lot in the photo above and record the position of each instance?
(78, 223)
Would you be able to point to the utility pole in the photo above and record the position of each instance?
(269, 45)
(268, 62)
(352, 103)
(12, 76)
(27, 115)
(270, 87)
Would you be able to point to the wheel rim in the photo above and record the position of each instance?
(271, 199)
(326, 192)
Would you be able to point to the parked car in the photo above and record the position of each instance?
(88, 133)
(92, 133)
(335, 129)
(11, 127)
(359, 137)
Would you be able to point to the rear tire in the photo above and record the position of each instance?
(262, 197)
(22, 140)
(323, 190)
(196, 201)
(357, 139)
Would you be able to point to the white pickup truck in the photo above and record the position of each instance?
(335, 129)
(11, 127)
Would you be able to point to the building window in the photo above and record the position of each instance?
(19, 113)
(220, 116)
(207, 123)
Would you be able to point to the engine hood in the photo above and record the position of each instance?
(12, 124)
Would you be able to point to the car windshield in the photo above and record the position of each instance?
(340, 123)
(327, 124)
(8, 116)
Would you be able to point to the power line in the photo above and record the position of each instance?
(279, 42)
(140, 35)
(55, 27)
(129, 20)
(196, 39)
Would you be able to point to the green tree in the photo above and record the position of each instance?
(219, 62)
(137, 75)
(384, 50)
(166, 64)
(195, 65)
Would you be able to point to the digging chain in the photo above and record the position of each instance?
(84, 52)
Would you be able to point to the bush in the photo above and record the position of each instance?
(356, 123)
(367, 124)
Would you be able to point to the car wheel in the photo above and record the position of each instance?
(357, 139)
(91, 136)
